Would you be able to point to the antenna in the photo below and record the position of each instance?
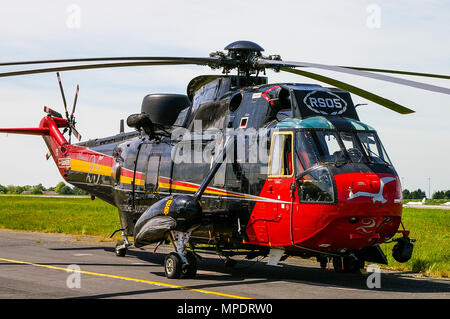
(122, 126)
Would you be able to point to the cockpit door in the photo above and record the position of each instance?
(281, 179)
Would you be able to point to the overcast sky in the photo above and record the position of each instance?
(404, 35)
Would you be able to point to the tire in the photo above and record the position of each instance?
(190, 271)
(172, 266)
(120, 252)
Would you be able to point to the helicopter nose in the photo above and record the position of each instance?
(367, 212)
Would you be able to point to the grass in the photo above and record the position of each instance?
(78, 216)
(82, 216)
(431, 255)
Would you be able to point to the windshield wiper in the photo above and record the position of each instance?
(376, 155)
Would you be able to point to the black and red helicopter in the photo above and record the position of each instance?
(326, 187)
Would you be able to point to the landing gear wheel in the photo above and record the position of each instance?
(190, 270)
(173, 266)
(120, 250)
(351, 265)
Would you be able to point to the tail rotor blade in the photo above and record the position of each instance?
(52, 112)
(75, 132)
(62, 94)
(75, 103)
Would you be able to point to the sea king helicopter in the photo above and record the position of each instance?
(326, 187)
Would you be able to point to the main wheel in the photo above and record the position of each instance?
(190, 270)
(173, 266)
(120, 252)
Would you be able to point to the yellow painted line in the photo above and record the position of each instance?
(156, 283)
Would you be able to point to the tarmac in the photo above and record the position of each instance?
(55, 266)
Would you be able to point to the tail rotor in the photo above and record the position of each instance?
(70, 119)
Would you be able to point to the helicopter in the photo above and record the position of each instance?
(241, 166)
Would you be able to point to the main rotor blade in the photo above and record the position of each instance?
(415, 84)
(94, 66)
(353, 89)
(430, 75)
(193, 60)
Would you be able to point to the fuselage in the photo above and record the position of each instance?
(308, 201)
(299, 179)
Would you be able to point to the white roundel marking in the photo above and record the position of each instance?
(333, 105)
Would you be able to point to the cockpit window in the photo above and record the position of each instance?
(352, 146)
(314, 147)
(373, 148)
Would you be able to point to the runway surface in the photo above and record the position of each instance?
(34, 265)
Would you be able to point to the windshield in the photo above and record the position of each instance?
(314, 147)
(373, 147)
(321, 147)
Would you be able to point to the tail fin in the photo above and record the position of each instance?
(49, 126)
(49, 130)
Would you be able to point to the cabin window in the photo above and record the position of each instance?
(280, 162)
(151, 182)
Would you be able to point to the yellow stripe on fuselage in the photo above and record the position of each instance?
(98, 169)
(129, 180)
(207, 191)
(90, 168)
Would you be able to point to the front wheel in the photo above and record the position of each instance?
(173, 266)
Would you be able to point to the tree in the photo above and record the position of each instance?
(37, 189)
(447, 194)
(19, 189)
(3, 189)
(417, 194)
(406, 194)
(59, 188)
(438, 195)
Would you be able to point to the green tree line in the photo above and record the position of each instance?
(419, 194)
(39, 189)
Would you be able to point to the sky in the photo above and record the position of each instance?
(404, 35)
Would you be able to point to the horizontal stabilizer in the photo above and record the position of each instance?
(26, 131)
